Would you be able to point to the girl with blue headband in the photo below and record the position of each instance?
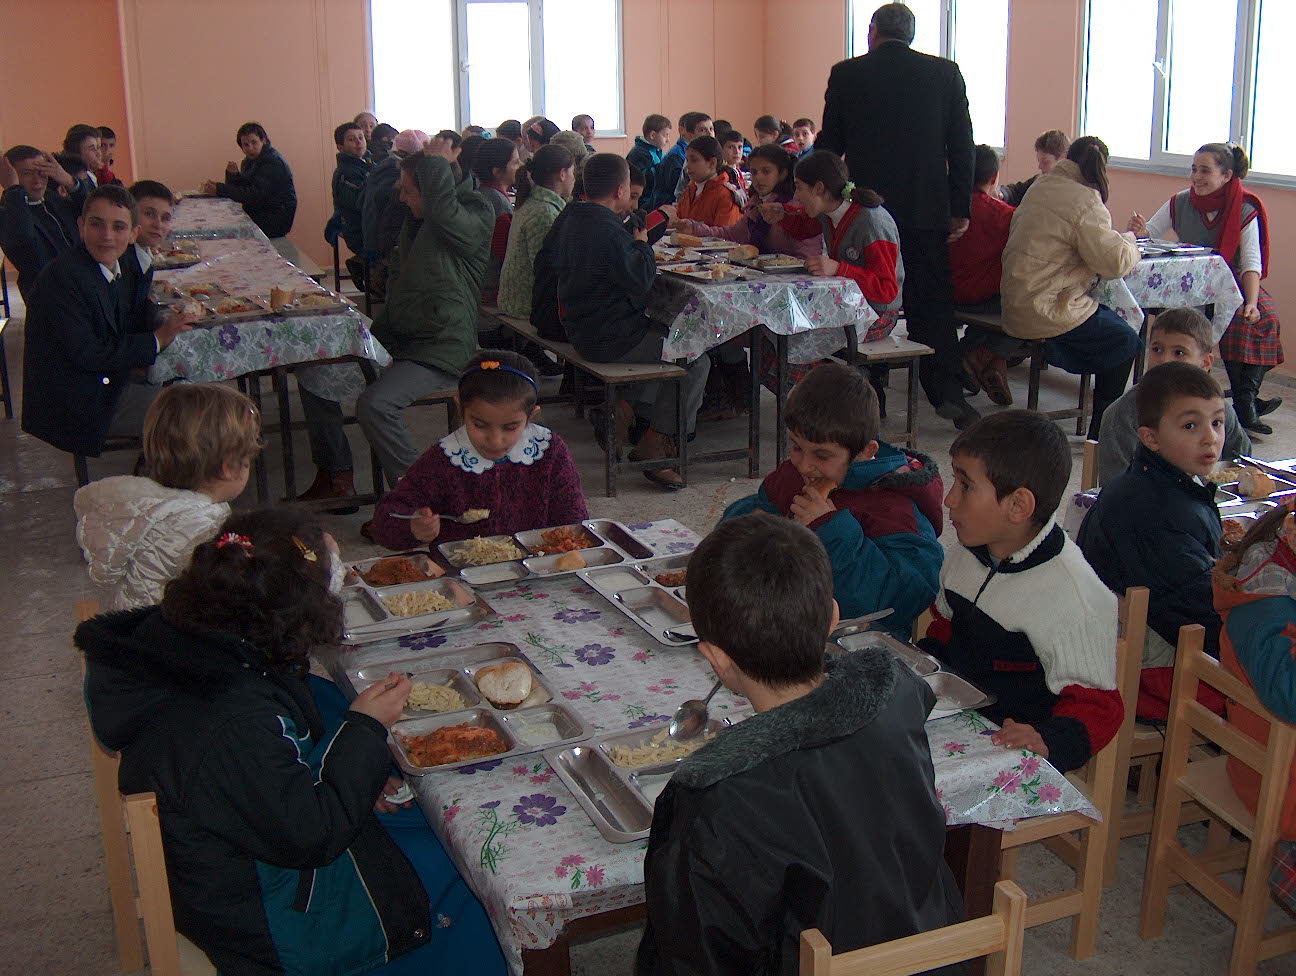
(500, 462)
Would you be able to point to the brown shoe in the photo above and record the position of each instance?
(994, 380)
(331, 484)
(655, 445)
(366, 531)
(320, 488)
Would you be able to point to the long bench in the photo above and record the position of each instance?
(993, 322)
(896, 352)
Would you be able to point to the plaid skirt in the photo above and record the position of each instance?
(1258, 343)
(1282, 879)
(796, 372)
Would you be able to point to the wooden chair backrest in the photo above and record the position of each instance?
(998, 936)
(1089, 466)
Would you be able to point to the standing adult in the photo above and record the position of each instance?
(901, 120)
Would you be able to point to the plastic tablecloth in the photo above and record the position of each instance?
(1174, 282)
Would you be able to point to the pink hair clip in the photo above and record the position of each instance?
(234, 539)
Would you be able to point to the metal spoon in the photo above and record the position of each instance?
(857, 625)
(690, 719)
(448, 518)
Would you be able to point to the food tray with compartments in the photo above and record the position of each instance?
(175, 255)
(313, 301)
(1229, 492)
(919, 662)
(610, 543)
(954, 694)
(541, 721)
(707, 244)
(249, 307)
(663, 254)
(659, 608)
(773, 263)
(715, 271)
(620, 800)
(367, 616)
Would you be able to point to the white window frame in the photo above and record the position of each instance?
(1241, 121)
(536, 63)
(948, 45)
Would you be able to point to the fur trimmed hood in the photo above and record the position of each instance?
(856, 687)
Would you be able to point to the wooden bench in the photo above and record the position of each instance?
(993, 322)
(897, 352)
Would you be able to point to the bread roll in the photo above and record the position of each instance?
(569, 561)
(505, 685)
(680, 239)
(1256, 484)
(743, 252)
(823, 487)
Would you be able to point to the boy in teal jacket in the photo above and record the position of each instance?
(876, 508)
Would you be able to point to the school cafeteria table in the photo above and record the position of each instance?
(533, 856)
(213, 217)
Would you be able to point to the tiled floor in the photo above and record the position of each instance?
(54, 906)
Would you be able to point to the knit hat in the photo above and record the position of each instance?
(574, 143)
(409, 142)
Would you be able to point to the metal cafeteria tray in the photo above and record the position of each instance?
(659, 610)
(619, 801)
(613, 544)
(954, 695)
(538, 722)
(360, 566)
(366, 617)
(1284, 487)
(762, 263)
(920, 663)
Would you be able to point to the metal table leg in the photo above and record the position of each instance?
(780, 343)
(280, 382)
(754, 417)
(681, 429)
(262, 475)
(911, 405)
(609, 437)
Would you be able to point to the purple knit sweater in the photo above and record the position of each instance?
(534, 487)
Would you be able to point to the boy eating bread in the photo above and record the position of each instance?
(875, 508)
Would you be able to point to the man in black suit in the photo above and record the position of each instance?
(901, 120)
(87, 331)
(37, 222)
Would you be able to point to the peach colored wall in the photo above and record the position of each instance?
(301, 71)
(45, 94)
(803, 40)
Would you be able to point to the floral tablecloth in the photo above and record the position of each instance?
(1174, 282)
(813, 311)
(252, 267)
(518, 835)
(213, 217)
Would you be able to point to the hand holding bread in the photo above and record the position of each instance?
(813, 504)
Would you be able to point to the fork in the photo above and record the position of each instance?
(458, 519)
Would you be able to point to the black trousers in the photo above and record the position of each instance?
(929, 311)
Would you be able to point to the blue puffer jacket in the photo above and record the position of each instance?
(276, 860)
(884, 539)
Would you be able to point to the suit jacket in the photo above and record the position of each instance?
(81, 346)
(901, 120)
(32, 237)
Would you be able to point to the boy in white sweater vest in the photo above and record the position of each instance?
(1020, 613)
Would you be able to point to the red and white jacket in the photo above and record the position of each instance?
(865, 242)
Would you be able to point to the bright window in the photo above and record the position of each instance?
(1166, 76)
(480, 62)
(414, 93)
(972, 32)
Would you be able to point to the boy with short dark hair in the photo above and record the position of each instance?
(738, 863)
(37, 223)
(603, 275)
(671, 178)
(803, 136)
(1156, 525)
(583, 125)
(646, 153)
(1050, 147)
(1021, 614)
(875, 508)
(83, 140)
(348, 184)
(107, 156)
(1178, 335)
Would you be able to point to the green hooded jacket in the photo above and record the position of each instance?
(436, 276)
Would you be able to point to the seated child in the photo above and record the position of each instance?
(731, 146)
(875, 508)
(712, 196)
(37, 223)
(758, 833)
(1256, 601)
(1179, 335)
(803, 136)
(1021, 614)
(107, 156)
(137, 533)
(646, 153)
(271, 792)
(771, 182)
(348, 186)
(1050, 147)
(499, 461)
(1156, 525)
(863, 240)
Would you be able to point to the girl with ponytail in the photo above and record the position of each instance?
(548, 186)
(1061, 237)
(1218, 211)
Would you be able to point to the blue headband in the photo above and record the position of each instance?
(490, 365)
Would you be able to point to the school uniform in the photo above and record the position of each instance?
(34, 232)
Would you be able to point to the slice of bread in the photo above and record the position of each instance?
(743, 252)
(680, 239)
(1256, 484)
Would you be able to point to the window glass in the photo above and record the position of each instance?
(581, 43)
(1200, 102)
(1273, 137)
(499, 62)
(1120, 80)
(414, 92)
(981, 49)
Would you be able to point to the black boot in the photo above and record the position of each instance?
(878, 376)
(1108, 387)
(1264, 406)
(1244, 398)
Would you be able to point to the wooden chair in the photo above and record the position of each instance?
(1089, 466)
(1207, 782)
(993, 322)
(898, 352)
(998, 936)
(112, 445)
(131, 832)
(1080, 841)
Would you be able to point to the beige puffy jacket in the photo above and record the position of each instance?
(1061, 239)
(137, 536)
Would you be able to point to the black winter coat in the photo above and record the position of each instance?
(84, 337)
(33, 236)
(901, 120)
(1155, 526)
(265, 188)
(275, 858)
(821, 813)
(348, 184)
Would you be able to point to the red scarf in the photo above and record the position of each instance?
(1226, 204)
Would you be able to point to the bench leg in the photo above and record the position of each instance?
(852, 346)
(911, 406)
(279, 380)
(1085, 405)
(754, 419)
(82, 470)
(578, 393)
(681, 429)
(1036, 367)
(609, 436)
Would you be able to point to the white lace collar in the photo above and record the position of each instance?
(531, 447)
